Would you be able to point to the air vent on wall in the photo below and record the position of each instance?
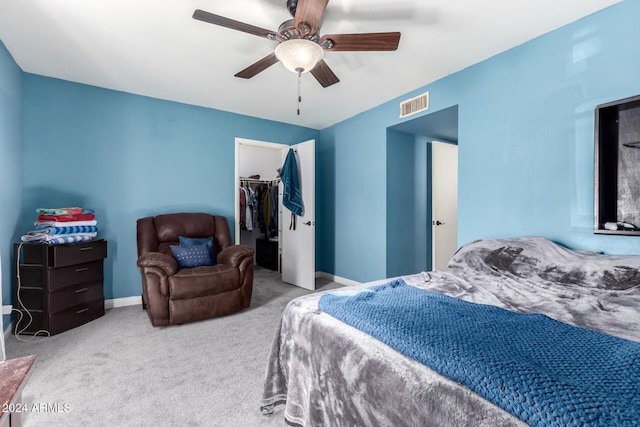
(414, 105)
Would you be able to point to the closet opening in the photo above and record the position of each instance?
(293, 247)
(258, 211)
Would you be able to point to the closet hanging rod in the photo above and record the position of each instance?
(259, 181)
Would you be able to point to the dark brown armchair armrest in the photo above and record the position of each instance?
(165, 262)
(233, 255)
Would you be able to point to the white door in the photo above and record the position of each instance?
(298, 245)
(444, 193)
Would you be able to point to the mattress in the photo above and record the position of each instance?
(323, 372)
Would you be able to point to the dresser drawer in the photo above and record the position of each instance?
(54, 256)
(79, 294)
(75, 316)
(67, 276)
(60, 286)
(31, 298)
(30, 276)
(52, 279)
(77, 253)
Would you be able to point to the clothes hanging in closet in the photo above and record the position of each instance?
(259, 207)
(246, 210)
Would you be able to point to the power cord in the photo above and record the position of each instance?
(21, 308)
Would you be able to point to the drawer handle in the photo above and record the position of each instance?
(82, 311)
(86, 248)
(78, 270)
(81, 290)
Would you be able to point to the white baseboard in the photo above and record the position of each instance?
(137, 300)
(337, 279)
(122, 302)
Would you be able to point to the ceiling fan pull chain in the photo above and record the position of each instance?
(299, 70)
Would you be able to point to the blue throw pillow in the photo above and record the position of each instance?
(192, 256)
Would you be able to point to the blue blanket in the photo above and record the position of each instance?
(542, 371)
(291, 195)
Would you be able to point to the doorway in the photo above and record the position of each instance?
(287, 247)
(410, 234)
(257, 163)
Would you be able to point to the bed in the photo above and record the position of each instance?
(324, 372)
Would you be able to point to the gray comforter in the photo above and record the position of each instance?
(329, 374)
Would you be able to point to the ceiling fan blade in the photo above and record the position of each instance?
(201, 15)
(309, 15)
(362, 42)
(258, 67)
(324, 75)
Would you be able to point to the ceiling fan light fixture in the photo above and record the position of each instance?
(299, 55)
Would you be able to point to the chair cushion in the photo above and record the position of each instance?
(170, 226)
(201, 281)
(192, 256)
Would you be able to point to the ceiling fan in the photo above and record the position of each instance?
(300, 46)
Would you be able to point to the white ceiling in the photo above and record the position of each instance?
(155, 48)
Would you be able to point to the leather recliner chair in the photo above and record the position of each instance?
(172, 295)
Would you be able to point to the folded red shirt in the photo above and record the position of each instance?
(63, 218)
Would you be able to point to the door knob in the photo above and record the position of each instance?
(307, 223)
(438, 223)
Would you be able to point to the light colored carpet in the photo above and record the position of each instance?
(120, 371)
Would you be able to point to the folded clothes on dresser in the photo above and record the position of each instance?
(64, 211)
(65, 230)
(65, 218)
(63, 225)
(50, 238)
(44, 224)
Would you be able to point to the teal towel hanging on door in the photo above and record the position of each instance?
(291, 195)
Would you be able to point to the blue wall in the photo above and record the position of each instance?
(525, 146)
(128, 156)
(351, 219)
(525, 152)
(10, 165)
(400, 207)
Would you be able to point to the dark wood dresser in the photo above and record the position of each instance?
(61, 286)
